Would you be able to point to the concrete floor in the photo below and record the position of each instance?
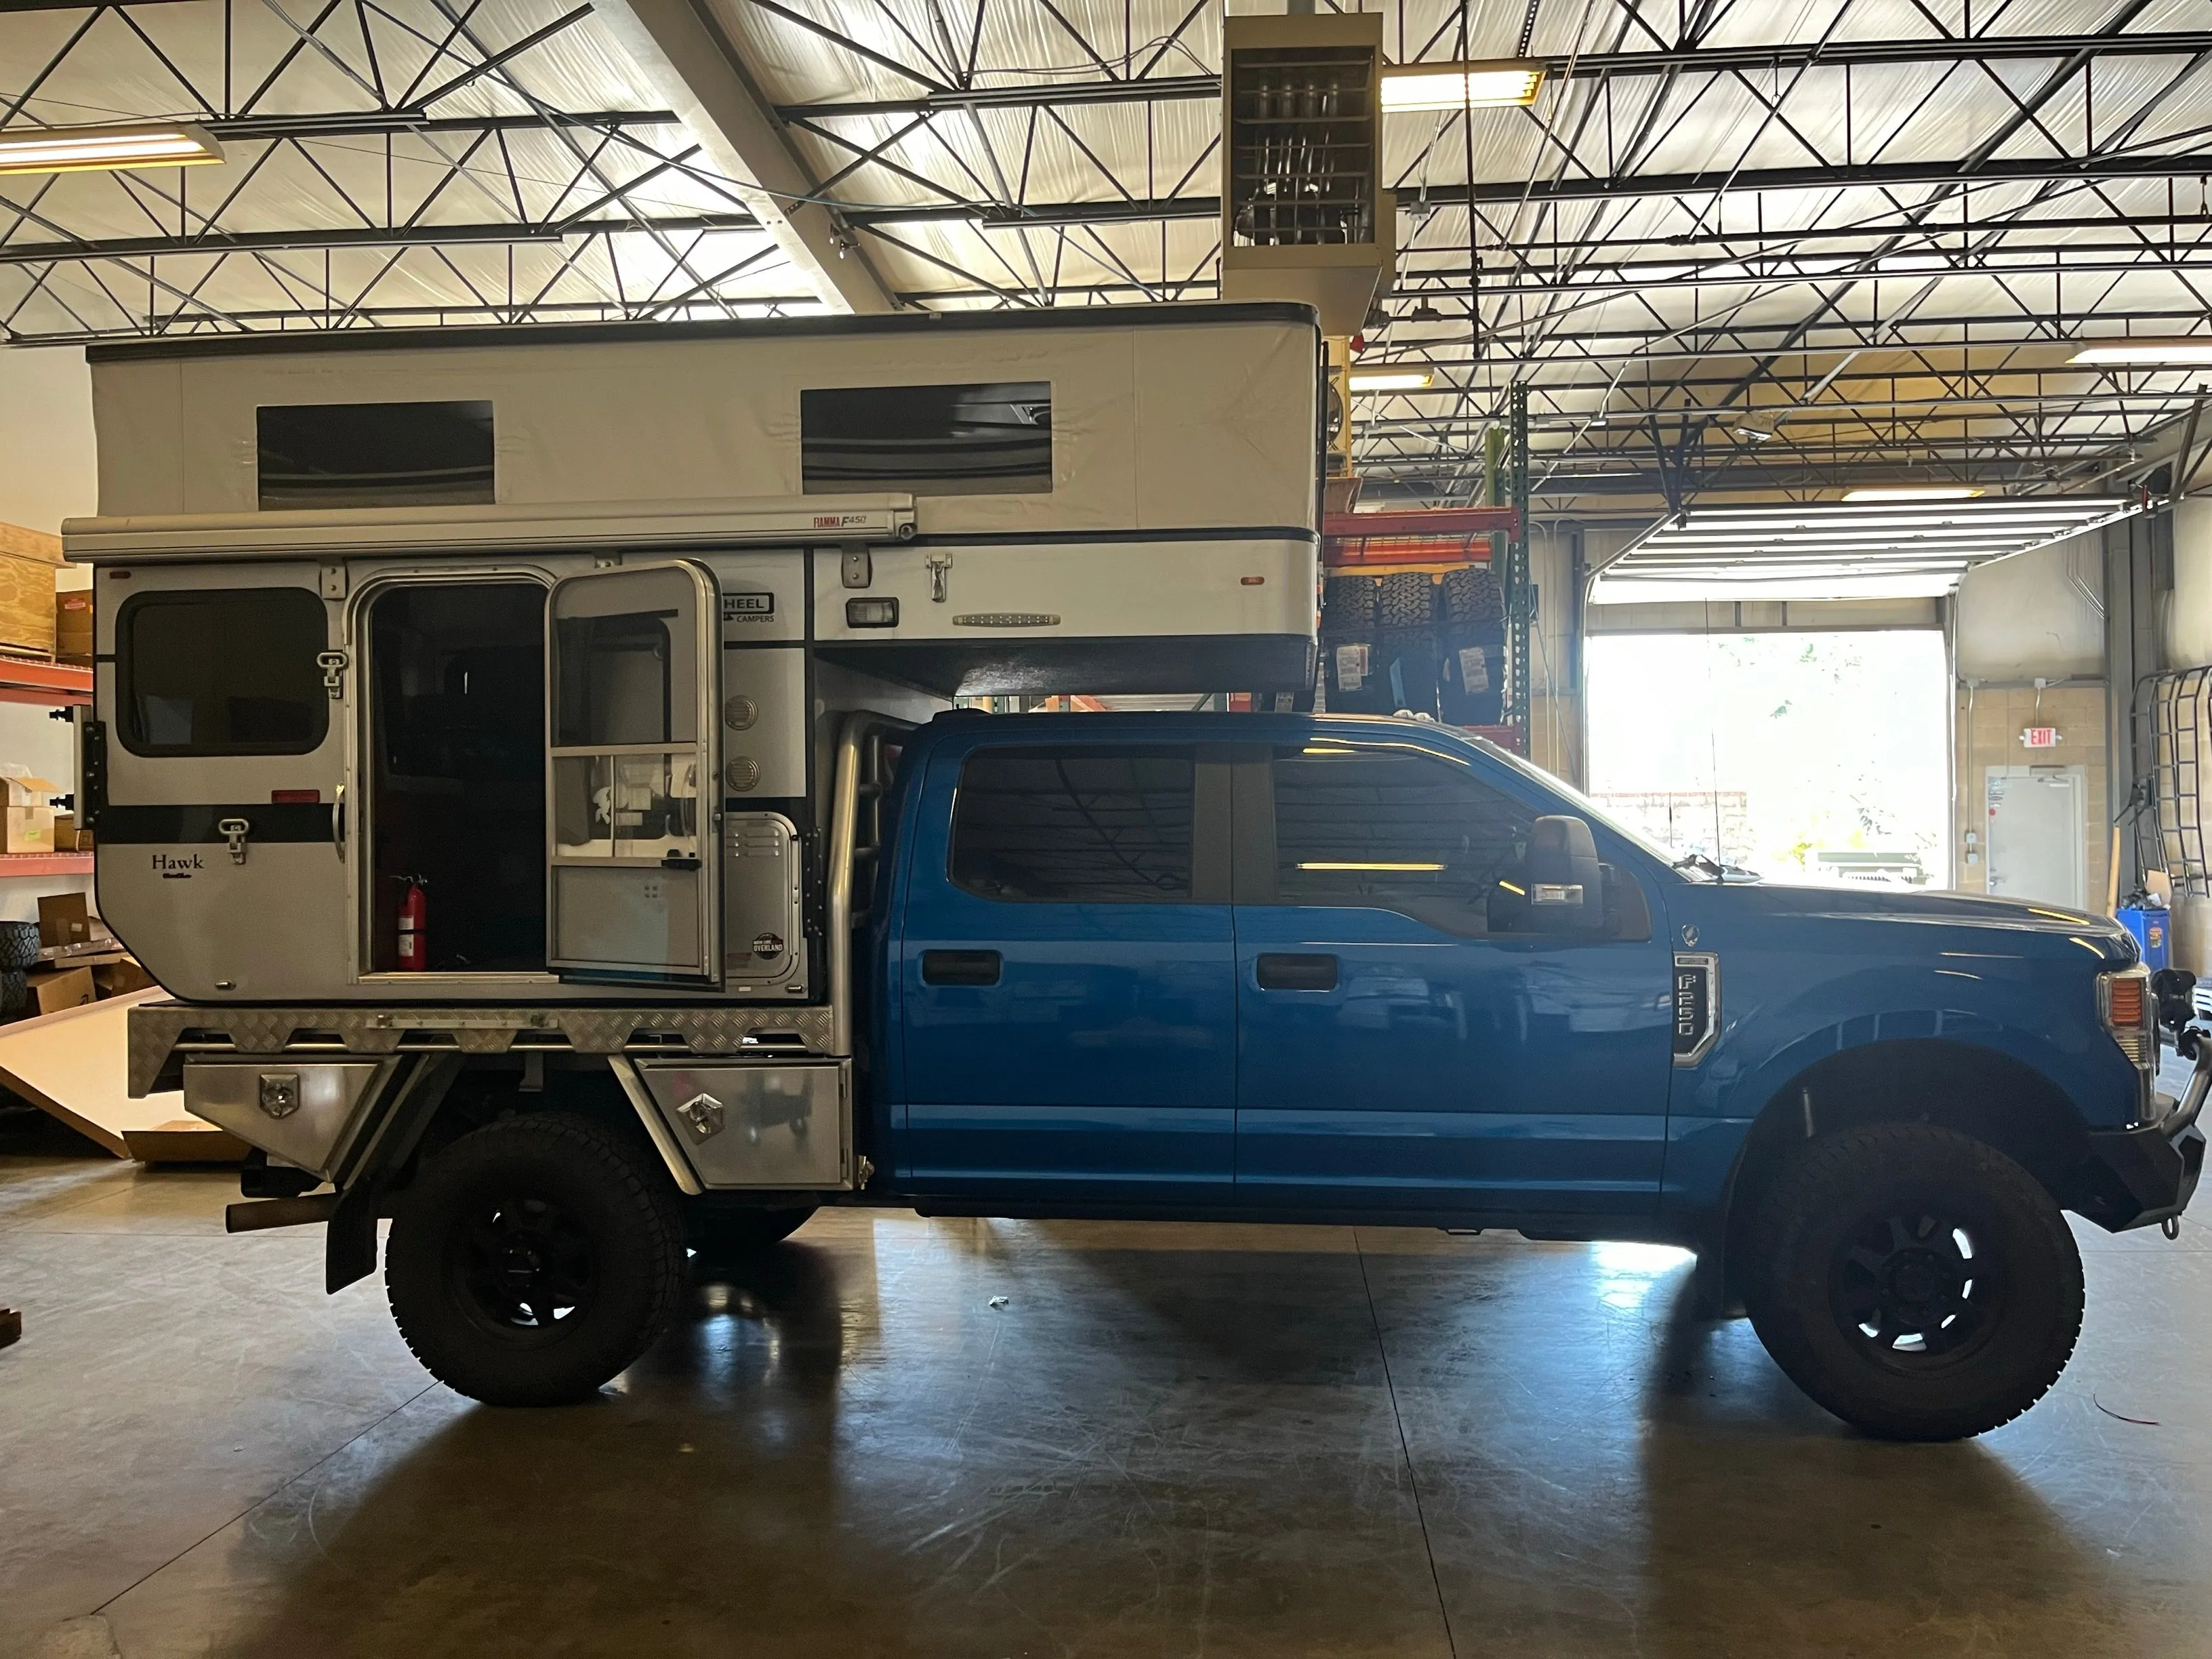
(1170, 1440)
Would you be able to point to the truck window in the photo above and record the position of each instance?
(223, 671)
(1393, 832)
(927, 440)
(1075, 826)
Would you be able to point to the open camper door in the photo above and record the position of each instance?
(634, 789)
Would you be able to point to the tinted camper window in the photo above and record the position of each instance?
(375, 454)
(927, 440)
(1075, 826)
(228, 671)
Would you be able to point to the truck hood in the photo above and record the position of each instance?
(1751, 903)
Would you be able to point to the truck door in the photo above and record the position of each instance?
(633, 780)
(1395, 1050)
(1067, 973)
(221, 704)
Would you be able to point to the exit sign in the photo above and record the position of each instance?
(2040, 737)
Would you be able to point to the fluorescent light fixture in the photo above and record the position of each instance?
(1915, 493)
(1348, 866)
(1392, 380)
(2144, 354)
(1458, 85)
(79, 150)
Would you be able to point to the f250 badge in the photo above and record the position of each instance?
(1697, 1005)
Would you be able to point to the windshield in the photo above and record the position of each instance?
(1590, 808)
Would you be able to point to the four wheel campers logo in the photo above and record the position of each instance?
(176, 866)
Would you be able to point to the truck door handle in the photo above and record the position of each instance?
(959, 967)
(1289, 973)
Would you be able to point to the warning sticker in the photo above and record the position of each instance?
(1351, 667)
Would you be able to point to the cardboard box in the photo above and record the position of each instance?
(27, 830)
(64, 919)
(121, 979)
(28, 559)
(28, 823)
(65, 832)
(67, 988)
(73, 626)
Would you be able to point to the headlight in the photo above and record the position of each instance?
(2124, 1004)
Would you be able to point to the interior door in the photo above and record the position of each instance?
(633, 779)
(1067, 974)
(1405, 1040)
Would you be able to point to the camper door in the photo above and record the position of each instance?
(223, 699)
(634, 789)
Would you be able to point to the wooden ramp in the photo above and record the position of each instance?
(72, 1063)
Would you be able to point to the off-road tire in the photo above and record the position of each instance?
(720, 1235)
(1348, 602)
(1405, 599)
(586, 1204)
(1862, 1226)
(19, 946)
(1471, 596)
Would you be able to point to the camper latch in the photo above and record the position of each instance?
(234, 831)
(939, 564)
(333, 665)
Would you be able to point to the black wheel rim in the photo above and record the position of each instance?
(521, 1264)
(1916, 1287)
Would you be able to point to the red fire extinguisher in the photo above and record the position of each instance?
(414, 926)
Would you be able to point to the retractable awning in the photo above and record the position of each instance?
(1839, 549)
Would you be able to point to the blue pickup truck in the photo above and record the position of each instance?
(1331, 970)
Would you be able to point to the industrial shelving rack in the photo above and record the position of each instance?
(59, 686)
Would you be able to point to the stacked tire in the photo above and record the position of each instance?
(1471, 669)
(1405, 647)
(1347, 648)
(19, 950)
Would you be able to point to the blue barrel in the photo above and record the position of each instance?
(2148, 924)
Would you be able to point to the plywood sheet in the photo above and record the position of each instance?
(74, 1064)
(27, 604)
(28, 544)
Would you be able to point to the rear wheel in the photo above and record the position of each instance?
(534, 1260)
(1916, 1282)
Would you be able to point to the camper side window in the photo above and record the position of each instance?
(927, 440)
(221, 672)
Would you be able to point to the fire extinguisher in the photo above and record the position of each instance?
(414, 926)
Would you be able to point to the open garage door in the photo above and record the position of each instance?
(1804, 756)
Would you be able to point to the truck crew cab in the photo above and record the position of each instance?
(1279, 968)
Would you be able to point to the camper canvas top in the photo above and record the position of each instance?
(1124, 422)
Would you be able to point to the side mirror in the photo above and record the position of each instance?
(1566, 891)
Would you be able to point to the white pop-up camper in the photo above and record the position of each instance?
(505, 670)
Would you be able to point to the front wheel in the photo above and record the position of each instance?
(534, 1260)
(1918, 1283)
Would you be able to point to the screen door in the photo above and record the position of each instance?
(633, 809)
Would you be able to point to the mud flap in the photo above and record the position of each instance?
(349, 1243)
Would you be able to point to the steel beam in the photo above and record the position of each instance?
(371, 124)
(694, 67)
(218, 243)
(1879, 175)
(1588, 66)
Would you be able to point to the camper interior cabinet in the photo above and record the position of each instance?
(505, 666)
